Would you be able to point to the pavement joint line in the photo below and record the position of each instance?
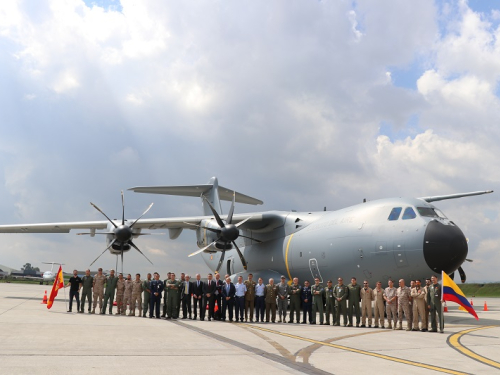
(297, 366)
(364, 352)
(19, 304)
(454, 341)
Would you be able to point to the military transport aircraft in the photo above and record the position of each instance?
(377, 240)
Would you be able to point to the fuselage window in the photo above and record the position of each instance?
(409, 214)
(394, 215)
(427, 212)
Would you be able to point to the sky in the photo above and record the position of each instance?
(302, 104)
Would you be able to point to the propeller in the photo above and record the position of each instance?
(123, 233)
(227, 233)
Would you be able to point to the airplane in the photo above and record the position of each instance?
(382, 239)
(47, 276)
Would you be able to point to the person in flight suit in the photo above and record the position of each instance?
(366, 295)
(341, 293)
(136, 295)
(147, 295)
(434, 303)
(87, 282)
(354, 299)
(283, 291)
(99, 281)
(419, 301)
(179, 293)
(378, 306)
(330, 303)
(120, 291)
(404, 294)
(165, 295)
(295, 296)
(306, 297)
(173, 288)
(198, 298)
(317, 300)
(209, 297)
(156, 287)
(249, 297)
(109, 294)
(391, 304)
(127, 295)
(270, 294)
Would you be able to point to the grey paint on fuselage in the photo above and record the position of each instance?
(357, 241)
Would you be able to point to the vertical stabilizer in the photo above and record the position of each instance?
(212, 195)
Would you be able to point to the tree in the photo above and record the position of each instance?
(28, 269)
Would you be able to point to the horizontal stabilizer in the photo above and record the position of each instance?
(196, 191)
(454, 196)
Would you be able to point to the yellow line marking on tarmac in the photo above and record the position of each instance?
(286, 258)
(280, 348)
(364, 352)
(454, 342)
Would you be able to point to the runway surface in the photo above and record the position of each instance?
(36, 340)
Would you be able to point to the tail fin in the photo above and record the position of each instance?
(212, 191)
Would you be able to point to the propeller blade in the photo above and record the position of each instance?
(461, 272)
(242, 258)
(98, 209)
(201, 250)
(250, 238)
(135, 247)
(111, 244)
(144, 213)
(217, 217)
(231, 210)
(123, 209)
(470, 260)
(221, 258)
(452, 276)
(243, 222)
(199, 226)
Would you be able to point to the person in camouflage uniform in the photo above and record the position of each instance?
(120, 290)
(404, 294)
(127, 295)
(99, 281)
(136, 295)
(249, 297)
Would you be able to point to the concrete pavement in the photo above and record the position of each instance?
(36, 340)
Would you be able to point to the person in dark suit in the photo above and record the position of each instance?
(306, 297)
(198, 298)
(209, 297)
(156, 287)
(218, 294)
(228, 292)
(186, 291)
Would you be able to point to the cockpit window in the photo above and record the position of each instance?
(409, 214)
(394, 215)
(427, 212)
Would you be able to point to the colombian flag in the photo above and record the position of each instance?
(451, 292)
(58, 284)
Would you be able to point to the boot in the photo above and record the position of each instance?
(93, 311)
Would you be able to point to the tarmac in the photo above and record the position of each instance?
(34, 339)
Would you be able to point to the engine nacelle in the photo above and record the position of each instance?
(205, 237)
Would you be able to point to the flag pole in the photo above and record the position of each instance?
(441, 321)
(65, 303)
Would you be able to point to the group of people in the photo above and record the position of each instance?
(221, 299)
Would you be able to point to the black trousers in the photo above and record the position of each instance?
(75, 294)
(86, 295)
(260, 306)
(218, 299)
(198, 304)
(211, 306)
(186, 305)
(154, 306)
(239, 307)
(227, 305)
(306, 309)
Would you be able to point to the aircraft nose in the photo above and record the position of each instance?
(445, 247)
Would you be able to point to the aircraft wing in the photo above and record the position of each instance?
(53, 227)
(256, 221)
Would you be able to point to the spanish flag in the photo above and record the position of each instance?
(58, 284)
(451, 292)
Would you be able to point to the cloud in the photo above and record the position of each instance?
(293, 103)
